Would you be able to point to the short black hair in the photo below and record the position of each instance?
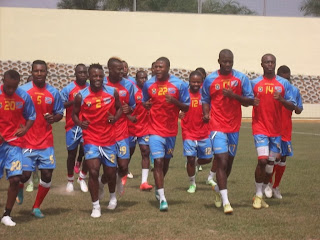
(140, 71)
(164, 59)
(95, 65)
(283, 69)
(113, 60)
(195, 73)
(13, 74)
(40, 62)
(79, 65)
(203, 71)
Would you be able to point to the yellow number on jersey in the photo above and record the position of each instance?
(9, 105)
(194, 103)
(98, 103)
(51, 159)
(123, 150)
(162, 91)
(39, 100)
(112, 158)
(15, 166)
(207, 151)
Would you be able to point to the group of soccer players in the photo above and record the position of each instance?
(106, 116)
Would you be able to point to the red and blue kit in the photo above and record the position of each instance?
(163, 115)
(126, 92)
(14, 110)
(267, 116)
(287, 114)
(225, 112)
(95, 108)
(192, 125)
(46, 100)
(140, 128)
(68, 94)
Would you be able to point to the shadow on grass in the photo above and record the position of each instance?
(26, 216)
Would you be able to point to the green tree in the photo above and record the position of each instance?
(80, 4)
(311, 8)
(226, 7)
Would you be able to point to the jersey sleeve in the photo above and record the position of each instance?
(246, 87)
(289, 93)
(298, 98)
(132, 92)
(145, 94)
(58, 105)
(64, 93)
(205, 91)
(29, 112)
(184, 94)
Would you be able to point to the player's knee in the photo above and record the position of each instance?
(14, 181)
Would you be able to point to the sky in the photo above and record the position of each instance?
(287, 8)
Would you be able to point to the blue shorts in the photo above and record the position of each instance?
(74, 138)
(286, 148)
(265, 144)
(144, 140)
(10, 160)
(123, 149)
(224, 142)
(106, 154)
(41, 158)
(198, 148)
(161, 146)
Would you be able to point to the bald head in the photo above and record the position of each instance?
(225, 52)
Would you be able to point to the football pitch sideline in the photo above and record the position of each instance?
(190, 216)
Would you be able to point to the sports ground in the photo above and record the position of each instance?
(190, 216)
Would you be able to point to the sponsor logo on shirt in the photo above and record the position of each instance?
(217, 86)
(48, 100)
(19, 105)
(122, 93)
(234, 83)
(107, 100)
(154, 91)
(260, 89)
(278, 89)
(139, 98)
(171, 90)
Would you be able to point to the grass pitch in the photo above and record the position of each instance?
(190, 216)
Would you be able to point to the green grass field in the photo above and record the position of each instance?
(190, 216)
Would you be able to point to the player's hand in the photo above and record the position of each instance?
(206, 118)
(170, 99)
(111, 118)
(132, 118)
(148, 104)
(227, 92)
(126, 109)
(277, 96)
(84, 124)
(256, 100)
(21, 131)
(182, 114)
(49, 118)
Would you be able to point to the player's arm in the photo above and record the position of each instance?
(287, 104)
(245, 101)
(298, 109)
(76, 111)
(68, 104)
(182, 107)
(23, 129)
(206, 112)
(118, 106)
(64, 96)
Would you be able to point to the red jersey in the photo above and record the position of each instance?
(225, 112)
(68, 94)
(163, 115)
(45, 100)
(95, 108)
(14, 110)
(192, 125)
(140, 128)
(126, 92)
(267, 116)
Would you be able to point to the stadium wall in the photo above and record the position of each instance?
(67, 37)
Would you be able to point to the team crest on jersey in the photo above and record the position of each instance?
(122, 93)
(19, 105)
(278, 89)
(88, 104)
(171, 90)
(260, 89)
(217, 86)
(107, 100)
(48, 100)
(234, 83)
(154, 91)
(139, 98)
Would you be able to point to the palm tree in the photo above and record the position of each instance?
(226, 7)
(311, 8)
(80, 4)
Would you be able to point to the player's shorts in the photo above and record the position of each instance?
(10, 160)
(123, 149)
(224, 142)
(41, 158)
(198, 148)
(144, 140)
(161, 146)
(106, 154)
(265, 145)
(74, 138)
(286, 148)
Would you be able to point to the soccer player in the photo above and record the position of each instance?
(223, 93)
(195, 132)
(38, 147)
(126, 92)
(74, 132)
(272, 93)
(96, 109)
(139, 131)
(286, 130)
(17, 114)
(165, 95)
